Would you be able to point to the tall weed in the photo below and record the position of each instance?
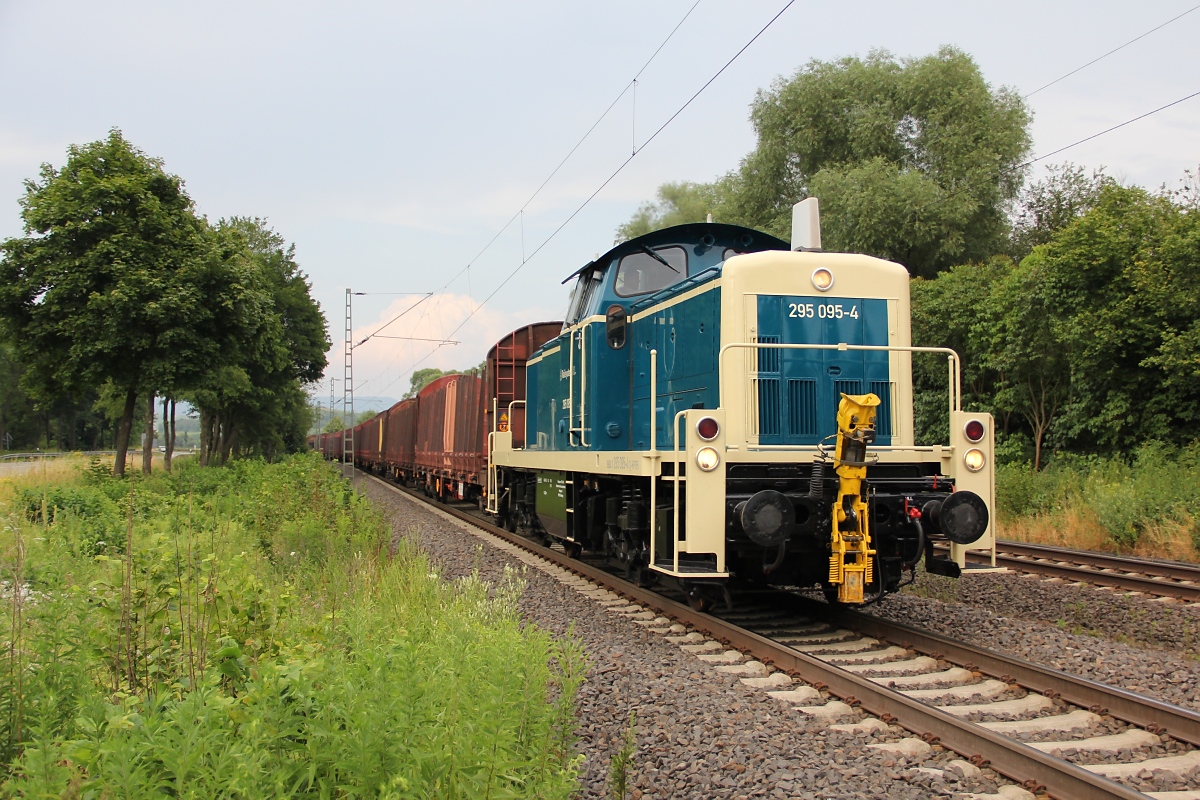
(1148, 505)
(244, 632)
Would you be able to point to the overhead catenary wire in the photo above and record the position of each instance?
(625, 163)
(521, 211)
(632, 83)
(1110, 52)
(1030, 162)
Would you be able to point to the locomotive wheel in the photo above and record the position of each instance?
(698, 601)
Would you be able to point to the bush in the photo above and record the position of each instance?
(1158, 486)
(258, 640)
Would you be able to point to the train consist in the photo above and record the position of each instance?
(717, 407)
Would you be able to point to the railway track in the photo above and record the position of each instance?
(1124, 573)
(973, 701)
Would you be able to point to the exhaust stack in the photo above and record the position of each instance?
(806, 226)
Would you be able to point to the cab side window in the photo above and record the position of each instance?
(645, 272)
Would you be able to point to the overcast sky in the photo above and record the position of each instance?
(392, 141)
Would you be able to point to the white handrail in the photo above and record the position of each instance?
(653, 447)
(675, 521)
(510, 424)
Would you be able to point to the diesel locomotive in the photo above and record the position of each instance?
(721, 406)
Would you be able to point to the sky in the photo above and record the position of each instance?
(392, 142)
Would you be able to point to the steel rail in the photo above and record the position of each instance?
(1070, 570)
(1172, 570)
(1015, 760)
(1144, 712)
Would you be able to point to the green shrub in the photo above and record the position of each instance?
(1158, 484)
(259, 641)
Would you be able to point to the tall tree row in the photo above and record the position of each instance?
(119, 289)
(1073, 300)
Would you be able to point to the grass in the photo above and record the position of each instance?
(1147, 505)
(245, 632)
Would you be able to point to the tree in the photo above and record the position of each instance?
(914, 160)
(1123, 279)
(947, 311)
(251, 399)
(1023, 343)
(100, 288)
(334, 425)
(678, 203)
(363, 416)
(1051, 204)
(422, 378)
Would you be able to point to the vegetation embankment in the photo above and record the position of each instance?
(1147, 506)
(245, 632)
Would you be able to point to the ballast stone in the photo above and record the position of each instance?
(834, 709)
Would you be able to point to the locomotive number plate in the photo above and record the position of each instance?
(822, 311)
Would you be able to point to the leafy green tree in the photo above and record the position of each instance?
(422, 378)
(914, 160)
(1123, 279)
(1023, 344)
(363, 416)
(677, 204)
(251, 399)
(334, 425)
(18, 423)
(1052, 203)
(949, 311)
(102, 285)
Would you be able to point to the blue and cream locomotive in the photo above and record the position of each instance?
(721, 405)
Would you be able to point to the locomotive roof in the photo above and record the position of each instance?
(688, 233)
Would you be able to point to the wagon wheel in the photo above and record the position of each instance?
(573, 549)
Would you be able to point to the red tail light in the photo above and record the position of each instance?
(707, 429)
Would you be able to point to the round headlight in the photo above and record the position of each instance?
(974, 459)
(707, 429)
(974, 430)
(822, 279)
(707, 459)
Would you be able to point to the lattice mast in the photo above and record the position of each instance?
(348, 393)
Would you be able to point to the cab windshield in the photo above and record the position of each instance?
(650, 270)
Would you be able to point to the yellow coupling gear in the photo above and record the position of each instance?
(851, 562)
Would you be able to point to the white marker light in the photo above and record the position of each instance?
(822, 279)
(707, 459)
